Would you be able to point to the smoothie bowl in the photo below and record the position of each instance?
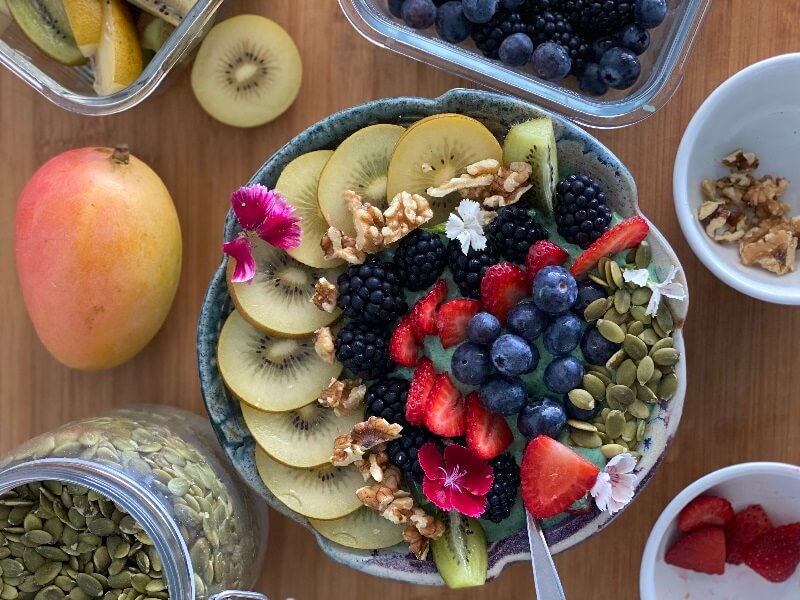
(508, 290)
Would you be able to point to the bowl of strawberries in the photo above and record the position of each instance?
(434, 315)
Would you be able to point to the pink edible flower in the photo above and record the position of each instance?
(616, 484)
(460, 481)
(263, 213)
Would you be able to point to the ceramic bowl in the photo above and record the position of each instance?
(577, 151)
(776, 486)
(738, 114)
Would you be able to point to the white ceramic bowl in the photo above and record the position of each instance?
(758, 110)
(776, 486)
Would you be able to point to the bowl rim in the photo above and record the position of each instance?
(405, 108)
(686, 495)
(705, 249)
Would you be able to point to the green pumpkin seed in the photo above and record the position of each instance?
(101, 559)
(645, 370)
(582, 399)
(643, 256)
(620, 394)
(77, 593)
(615, 317)
(666, 357)
(626, 373)
(622, 301)
(641, 427)
(629, 431)
(120, 581)
(51, 592)
(595, 386)
(585, 439)
(639, 409)
(102, 526)
(596, 309)
(615, 421)
(664, 318)
(139, 582)
(581, 425)
(47, 573)
(641, 296)
(645, 394)
(635, 347)
(64, 583)
(612, 450)
(635, 328)
(11, 567)
(640, 314)
(649, 336)
(666, 388)
(616, 359)
(598, 280)
(601, 373)
(666, 342)
(37, 537)
(32, 560)
(616, 274)
(8, 592)
(89, 585)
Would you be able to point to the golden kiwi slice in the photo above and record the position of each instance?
(363, 529)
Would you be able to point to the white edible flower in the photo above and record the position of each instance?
(668, 288)
(466, 226)
(615, 485)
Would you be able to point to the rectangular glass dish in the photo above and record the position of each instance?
(71, 87)
(662, 65)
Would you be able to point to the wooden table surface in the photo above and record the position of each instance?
(743, 376)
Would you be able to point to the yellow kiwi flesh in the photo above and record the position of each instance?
(364, 529)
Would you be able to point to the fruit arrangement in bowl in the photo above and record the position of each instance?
(434, 315)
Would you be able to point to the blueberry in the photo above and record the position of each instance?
(451, 24)
(503, 395)
(419, 14)
(542, 416)
(650, 13)
(551, 61)
(527, 321)
(470, 364)
(396, 8)
(554, 290)
(563, 335)
(634, 38)
(563, 374)
(591, 82)
(511, 4)
(479, 11)
(581, 414)
(597, 349)
(511, 355)
(516, 50)
(588, 292)
(619, 68)
(600, 45)
(483, 328)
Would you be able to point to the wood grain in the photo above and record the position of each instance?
(742, 402)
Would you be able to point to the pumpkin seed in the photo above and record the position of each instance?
(616, 359)
(641, 296)
(596, 309)
(616, 274)
(645, 370)
(643, 256)
(51, 592)
(615, 317)
(645, 394)
(90, 586)
(664, 318)
(666, 357)
(615, 421)
(32, 560)
(635, 328)
(629, 431)
(47, 573)
(626, 373)
(582, 399)
(668, 386)
(612, 450)
(601, 373)
(102, 526)
(641, 426)
(635, 347)
(581, 425)
(640, 314)
(639, 409)
(595, 386)
(620, 394)
(598, 280)
(649, 336)
(585, 439)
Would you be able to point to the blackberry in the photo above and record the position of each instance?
(468, 269)
(364, 349)
(503, 493)
(551, 26)
(420, 259)
(538, 6)
(489, 36)
(581, 213)
(514, 231)
(386, 398)
(403, 451)
(371, 292)
(601, 17)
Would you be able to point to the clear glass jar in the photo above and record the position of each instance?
(161, 465)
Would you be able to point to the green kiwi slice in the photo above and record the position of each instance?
(460, 554)
(46, 25)
(364, 529)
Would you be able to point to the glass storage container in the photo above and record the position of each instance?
(177, 498)
(71, 87)
(662, 65)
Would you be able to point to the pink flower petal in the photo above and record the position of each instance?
(435, 491)
(251, 205)
(280, 227)
(469, 504)
(430, 460)
(241, 251)
(478, 475)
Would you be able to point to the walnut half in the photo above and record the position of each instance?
(406, 212)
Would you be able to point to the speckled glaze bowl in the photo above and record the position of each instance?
(577, 150)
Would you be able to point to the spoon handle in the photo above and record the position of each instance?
(545, 576)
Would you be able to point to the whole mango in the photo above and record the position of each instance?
(98, 248)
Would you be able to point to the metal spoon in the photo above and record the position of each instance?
(545, 576)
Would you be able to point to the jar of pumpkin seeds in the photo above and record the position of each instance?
(133, 505)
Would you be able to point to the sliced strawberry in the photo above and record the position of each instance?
(419, 390)
(453, 318)
(445, 412)
(704, 511)
(702, 550)
(423, 313)
(488, 434)
(543, 253)
(775, 554)
(502, 287)
(746, 526)
(553, 477)
(403, 348)
(628, 234)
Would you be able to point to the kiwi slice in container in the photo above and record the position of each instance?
(461, 553)
(46, 24)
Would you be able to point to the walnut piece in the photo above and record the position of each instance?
(324, 345)
(374, 465)
(343, 396)
(372, 434)
(763, 195)
(479, 175)
(418, 544)
(741, 161)
(772, 246)
(490, 182)
(367, 220)
(406, 212)
(325, 295)
(509, 185)
(335, 244)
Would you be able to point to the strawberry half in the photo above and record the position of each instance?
(403, 348)
(445, 412)
(704, 511)
(746, 526)
(502, 287)
(453, 318)
(553, 477)
(702, 550)
(775, 554)
(419, 390)
(423, 313)
(488, 434)
(543, 253)
(628, 234)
